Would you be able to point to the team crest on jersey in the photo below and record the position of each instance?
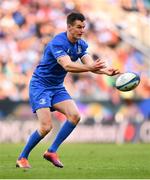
(42, 101)
(68, 51)
(79, 50)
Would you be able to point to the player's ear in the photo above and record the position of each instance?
(69, 26)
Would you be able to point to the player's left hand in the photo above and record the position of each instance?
(111, 71)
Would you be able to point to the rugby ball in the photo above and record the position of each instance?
(127, 81)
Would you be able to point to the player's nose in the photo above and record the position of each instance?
(82, 30)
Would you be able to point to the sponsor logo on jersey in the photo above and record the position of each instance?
(79, 50)
(68, 51)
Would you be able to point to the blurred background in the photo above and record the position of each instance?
(118, 31)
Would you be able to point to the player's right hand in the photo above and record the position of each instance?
(97, 65)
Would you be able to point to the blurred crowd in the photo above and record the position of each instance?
(27, 25)
(142, 6)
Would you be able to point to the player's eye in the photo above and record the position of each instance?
(80, 27)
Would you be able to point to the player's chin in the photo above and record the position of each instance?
(79, 37)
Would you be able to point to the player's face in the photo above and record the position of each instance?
(77, 29)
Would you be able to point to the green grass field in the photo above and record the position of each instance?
(81, 161)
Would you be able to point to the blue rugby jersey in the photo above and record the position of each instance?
(49, 72)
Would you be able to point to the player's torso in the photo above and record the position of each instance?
(49, 71)
(73, 50)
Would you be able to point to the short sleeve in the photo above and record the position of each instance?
(57, 50)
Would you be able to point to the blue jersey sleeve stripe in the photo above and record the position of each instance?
(61, 56)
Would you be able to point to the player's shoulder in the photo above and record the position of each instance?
(82, 42)
(59, 39)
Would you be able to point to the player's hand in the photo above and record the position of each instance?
(97, 65)
(111, 71)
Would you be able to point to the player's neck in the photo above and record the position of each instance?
(71, 39)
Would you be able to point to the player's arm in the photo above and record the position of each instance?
(76, 67)
(87, 59)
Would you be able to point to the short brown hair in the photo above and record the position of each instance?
(72, 17)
